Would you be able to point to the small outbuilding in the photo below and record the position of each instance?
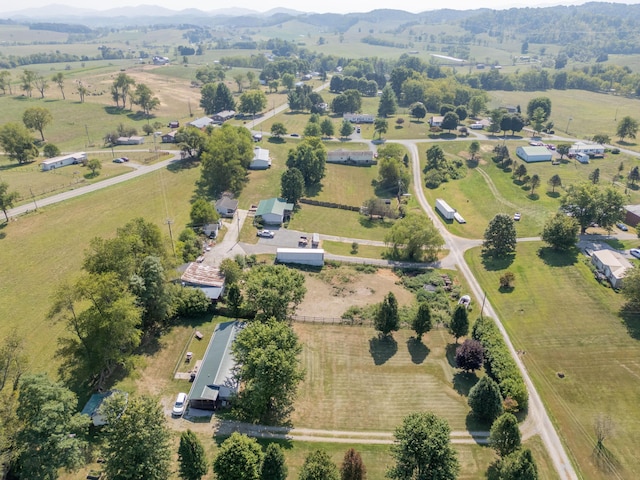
(436, 121)
(274, 211)
(632, 215)
(169, 137)
(223, 116)
(207, 278)
(92, 407)
(534, 154)
(612, 265)
(133, 140)
(261, 159)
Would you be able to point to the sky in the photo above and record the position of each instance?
(334, 6)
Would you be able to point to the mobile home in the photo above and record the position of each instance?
(63, 161)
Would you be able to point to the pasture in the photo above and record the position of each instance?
(487, 189)
(568, 323)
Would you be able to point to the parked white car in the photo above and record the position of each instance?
(635, 252)
(266, 233)
(180, 405)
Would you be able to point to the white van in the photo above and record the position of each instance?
(180, 405)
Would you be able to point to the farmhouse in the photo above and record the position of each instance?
(214, 384)
(157, 60)
(436, 121)
(201, 122)
(534, 154)
(591, 149)
(632, 215)
(169, 137)
(226, 206)
(261, 159)
(92, 407)
(134, 140)
(358, 117)
(274, 211)
(613, 265)
(351, 157)
(205, 277)
(63, 161)
(223, 116)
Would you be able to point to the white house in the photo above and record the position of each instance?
(133, 140)
(351, 157)
(436, 121)
(63, 161)
(261, 159)
(612, 265)
(591, 149)
(226, 206)
(534, 154)
(359, 117)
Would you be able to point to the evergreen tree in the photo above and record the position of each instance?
(191, 457)
(505, 437)
(422, 321)
(459, 326)
(318, 466)
(274, 466)
(387, 319)
(485, 399)
(388, 102)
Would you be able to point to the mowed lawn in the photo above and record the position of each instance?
(42, 250)
(487, 190)
(567, 323)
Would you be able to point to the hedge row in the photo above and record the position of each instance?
(329, 204)
(499, 364)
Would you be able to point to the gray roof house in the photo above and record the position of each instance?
(214, 385)
(223, 116)
(201, 122)
(274, 211)
(226, 206)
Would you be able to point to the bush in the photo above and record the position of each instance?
(615, 151)
(500, 365)
(507, 280)
(191, 302)
(433, 179)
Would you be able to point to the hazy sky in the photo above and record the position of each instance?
(337, 6)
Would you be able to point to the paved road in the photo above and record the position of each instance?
(537, 412)
(60, 197)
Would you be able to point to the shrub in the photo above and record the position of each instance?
(507, 280)
(499, 364)
(191, 302)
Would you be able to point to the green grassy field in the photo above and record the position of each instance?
(582, 113)
(487, 189)
(341, 248)
(44, 249)
(567, 323)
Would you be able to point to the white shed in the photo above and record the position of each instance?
(534, 154)
(261, 159)
(301, 256)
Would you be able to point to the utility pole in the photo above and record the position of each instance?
(86, 129)
(482, 309)
(169, 222)
(34, 198)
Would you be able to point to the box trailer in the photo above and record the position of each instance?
(315, 240)
(300, 256)
(445, 210)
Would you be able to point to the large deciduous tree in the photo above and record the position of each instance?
(309, 157)
(414, 237)
(561, 231)
(53, 433)
(192, 459)
(518, 465)
(203, 212)
(191, 141)
(216, 97)
(393, 175)
(350, 101)
(274, 291)
(138, 443)
(7, 199)
(318, 465)
(485, 399)
(225, 158)
(543, 103)
(144, 97)
(346, 128)
(470, 355)
(149, 285)
(269, 370)
(422, 449)
(450, 121)
(239, 458)
(252, 102)
(121, 89)
(500, 236)
(17, 142)
(588, 203)
(627, 128)
(58, 79)
(36, 118)
(505, 437)
(292, 185)
(555, 181)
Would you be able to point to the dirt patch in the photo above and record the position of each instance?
(331, 293)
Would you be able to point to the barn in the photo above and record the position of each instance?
(534, 154)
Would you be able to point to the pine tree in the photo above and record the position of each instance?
(273, 466)
(191, 456)
(459, 325)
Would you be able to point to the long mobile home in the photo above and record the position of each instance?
(63, 161)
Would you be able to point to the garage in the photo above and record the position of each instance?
(534, 154)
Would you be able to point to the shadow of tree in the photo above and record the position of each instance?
(463, 382)
(533, 196)
(472, 163)
(630, 316)
(493, 264)
(113, 110)
(450, 352)
(604, 459)
(504, 289)
(3, 225)
(557, 258)
(313, 190)
(382, 348)
(276, 140)
(553, 194)
(474, 424)
(368, 222)
(418, 350)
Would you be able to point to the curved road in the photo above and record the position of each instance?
(456, 246)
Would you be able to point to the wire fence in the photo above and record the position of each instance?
(331, 320)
